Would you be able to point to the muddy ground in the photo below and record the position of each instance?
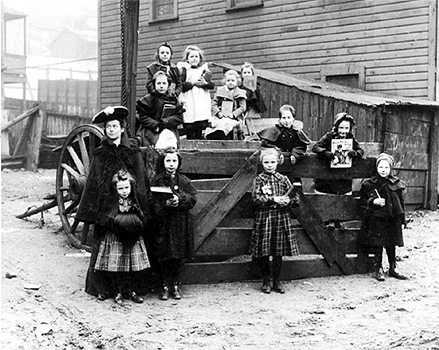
(345, 312)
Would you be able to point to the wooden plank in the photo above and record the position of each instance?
(20, 118)
(217, 272)
(415, 196)
(409, 160)
(33, 151)
(319, 234)
(402, 143)
(217, 209)
(235, 241)
(433, 174)
(218, 144)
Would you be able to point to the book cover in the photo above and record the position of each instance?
(340, 149)
(227, 108)
(168, 110)
(207, 75)
(250, 82)
(162, 191)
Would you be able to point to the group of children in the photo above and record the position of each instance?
(178, 94)
(136, 228)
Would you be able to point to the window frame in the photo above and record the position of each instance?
(348, 69)
(153, 13)
(231, 5)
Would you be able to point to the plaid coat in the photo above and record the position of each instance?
(273, 229)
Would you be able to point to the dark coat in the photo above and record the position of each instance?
(382, 226)
(172, 231)
(254, 99)
(151, 118)
(172, 71)
(287, 139)
(99, 202)
(323, 146)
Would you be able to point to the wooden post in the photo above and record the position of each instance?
(131, 27)
(433, 173)
(33, 151)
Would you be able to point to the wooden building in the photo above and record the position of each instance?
(388, 47)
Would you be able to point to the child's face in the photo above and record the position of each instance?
(247, 71)
(286, 119)
(161, 84)
(231, 81)
(383, 168)
(193, 58)
(113, 130)
(269, 162)
(171, 163)
(164, 54)
(344, 128)
(123, 188)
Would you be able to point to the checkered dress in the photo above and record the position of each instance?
(273, 229)
(114, 256)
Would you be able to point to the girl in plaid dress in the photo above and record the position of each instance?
(122, 252)
(273, 229)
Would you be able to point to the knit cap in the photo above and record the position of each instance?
(385, 156)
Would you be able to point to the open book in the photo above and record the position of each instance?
(227, 108)
(340, 149)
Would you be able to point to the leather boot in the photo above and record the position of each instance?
(266, 286)
(395, 274)
(379, 274)
(277, 267)
(175, 291)
(164, 294)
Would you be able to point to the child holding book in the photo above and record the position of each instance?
(172, 240)
(382, 196)
(160, 113)
(163, 63)
(273, 228)
(342, 130)
(255, 101)
(195, 95)
(228, 108)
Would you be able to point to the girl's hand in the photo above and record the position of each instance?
(173, 202)
(220, 115)
(381, 202)
(282, 200)
(293, 160)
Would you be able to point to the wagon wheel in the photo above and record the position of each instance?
(71, 175)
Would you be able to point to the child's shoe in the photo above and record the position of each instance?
(266, 286)
(136, 299)
(119, 299)
(395, 274)
(164, 294)
(379, 274)
(176, 292)
(277, 287)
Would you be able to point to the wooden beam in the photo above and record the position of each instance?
(36, 134)
(433, 174)
(239, 271)
(20, 118)
(209, 218)
(131, 28)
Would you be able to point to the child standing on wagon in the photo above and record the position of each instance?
(273, 228)
(195, 95)
(163, 63)
(382, 196)
(342, 129)
(228, 108)
(171, 221)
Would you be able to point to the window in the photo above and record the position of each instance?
(163, 10)
(243, 4)
(348, 75)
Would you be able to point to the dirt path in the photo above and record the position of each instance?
(354, 312)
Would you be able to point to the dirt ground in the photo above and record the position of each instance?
(345, 312)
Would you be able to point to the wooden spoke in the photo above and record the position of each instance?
(76, 159)
(84, 153)
(70, 170)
